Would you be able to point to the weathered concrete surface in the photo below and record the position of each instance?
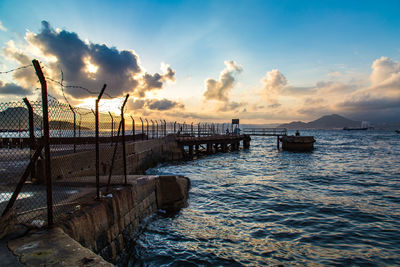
(105, 226)
(53, 248)
(172, 193)
(7, 223)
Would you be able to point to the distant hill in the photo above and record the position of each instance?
(333, 121)
(17, 118)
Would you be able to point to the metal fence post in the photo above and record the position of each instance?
(152, 129)
(133, 129)
(175, 127)
(97, 142)
(157, 129)
(73, 112)
(32, 144)
(147, 125)
(112, 127)
(142, 128)
(165, 128)
(46, 132)
(79, 125)
(123, 136)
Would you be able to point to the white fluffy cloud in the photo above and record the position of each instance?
(220, 89)
(273, 82)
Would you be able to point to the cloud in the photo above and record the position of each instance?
(2, 28)
(154, 104)
(25, 77)
(385, 76)
(367, 103)
(156, 81)
(219, 89)
(384, 69)
(230, 106)
(163, 104)
(13, 89)
(91, 65)
(273, 82)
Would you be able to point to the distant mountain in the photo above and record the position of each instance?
(333, 121)
(17, 118)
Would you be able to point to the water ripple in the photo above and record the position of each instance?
(339, 205)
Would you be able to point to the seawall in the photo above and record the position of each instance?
(103, 226)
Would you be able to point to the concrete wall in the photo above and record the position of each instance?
(105, 226)
(141, 155)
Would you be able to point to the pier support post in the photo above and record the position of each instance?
(209, 148)
(277, 142)
(224, 147)
(246, 143)
(190, 151)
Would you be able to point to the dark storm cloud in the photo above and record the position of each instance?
(155, 104)
(13, 89)
(163, 104)
(120, 70)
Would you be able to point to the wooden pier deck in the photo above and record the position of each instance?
(211, 144)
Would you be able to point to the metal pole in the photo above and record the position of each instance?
(198, 129)
(152, 129)
(142, 128)
(175, 127)
(97, 143)
(79, 127)
(112, 127)
(157, 129)
(46, 132)
(147, 125)
(73, 111)
(123, 136)
(165, 128)
(133, 128)
(191, 128)
(31, 133)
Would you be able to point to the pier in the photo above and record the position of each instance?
(211, 144)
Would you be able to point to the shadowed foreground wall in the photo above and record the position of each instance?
(105, 226)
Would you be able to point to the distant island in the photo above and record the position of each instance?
(333, 121)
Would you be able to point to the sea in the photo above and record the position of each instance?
(338, 205)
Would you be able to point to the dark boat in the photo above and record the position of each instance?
(297, 143)
(355, 129)
(398, 131)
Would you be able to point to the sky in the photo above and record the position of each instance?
(260, 61)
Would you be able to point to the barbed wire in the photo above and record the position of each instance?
(78, 87)
(19, 68)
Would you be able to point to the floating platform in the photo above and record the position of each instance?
(297, 143)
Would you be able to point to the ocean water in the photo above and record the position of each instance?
(337, 205)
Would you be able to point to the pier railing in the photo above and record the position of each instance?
(265, 131)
